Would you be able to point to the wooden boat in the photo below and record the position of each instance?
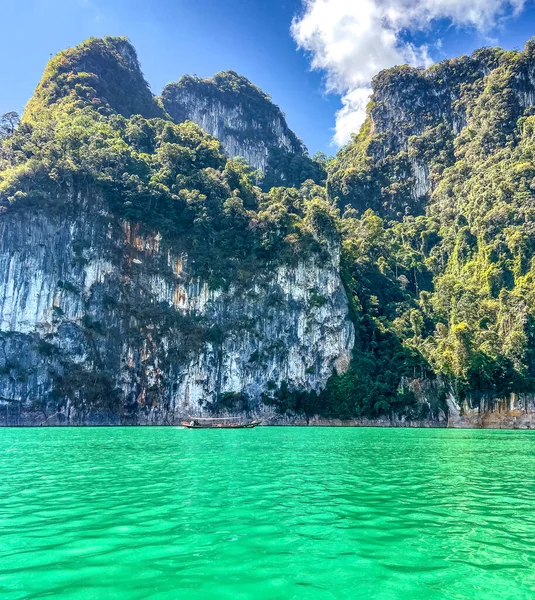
(218, 423)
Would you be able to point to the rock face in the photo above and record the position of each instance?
(94, 314)
(232, 109)
(102, 325)
(417, 117)
(476, 411)
(410, 103)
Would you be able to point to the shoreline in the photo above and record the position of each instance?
(345, 425)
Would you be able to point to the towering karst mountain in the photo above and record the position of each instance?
(101, 73)
(420, 122)
(228, 106)
(146, 276)
(232, 109)
(246, 122)
(143, 275)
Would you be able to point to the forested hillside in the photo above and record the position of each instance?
(437, 194)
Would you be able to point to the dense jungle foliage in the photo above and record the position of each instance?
(446, 261)
(170, 177)
(433, 202)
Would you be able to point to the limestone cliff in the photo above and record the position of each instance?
(100, 324)
(145, 276)
(235, 111)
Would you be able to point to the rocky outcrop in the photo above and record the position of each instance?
(102, 73)
(416, 112)
(101, 324)
(232, 109)
(475, 410)
(515, 411)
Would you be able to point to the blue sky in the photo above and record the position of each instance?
(173, 37)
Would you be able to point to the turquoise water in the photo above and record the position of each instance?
(266, 513)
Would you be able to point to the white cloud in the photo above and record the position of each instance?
(352, 114)
(351, 40)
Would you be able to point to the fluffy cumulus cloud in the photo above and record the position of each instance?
(351, 40)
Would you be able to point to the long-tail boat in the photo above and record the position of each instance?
(218, 423)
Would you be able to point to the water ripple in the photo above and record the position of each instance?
(161, 513)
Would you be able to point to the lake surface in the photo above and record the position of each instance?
(283, 513)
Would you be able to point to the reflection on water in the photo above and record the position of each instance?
(266, 513)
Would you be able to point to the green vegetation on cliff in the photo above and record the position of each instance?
(433, 201)
(438, 237)
(446, 158)
(170, 178)
(103, 73)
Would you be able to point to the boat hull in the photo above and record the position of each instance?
(240, 426)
